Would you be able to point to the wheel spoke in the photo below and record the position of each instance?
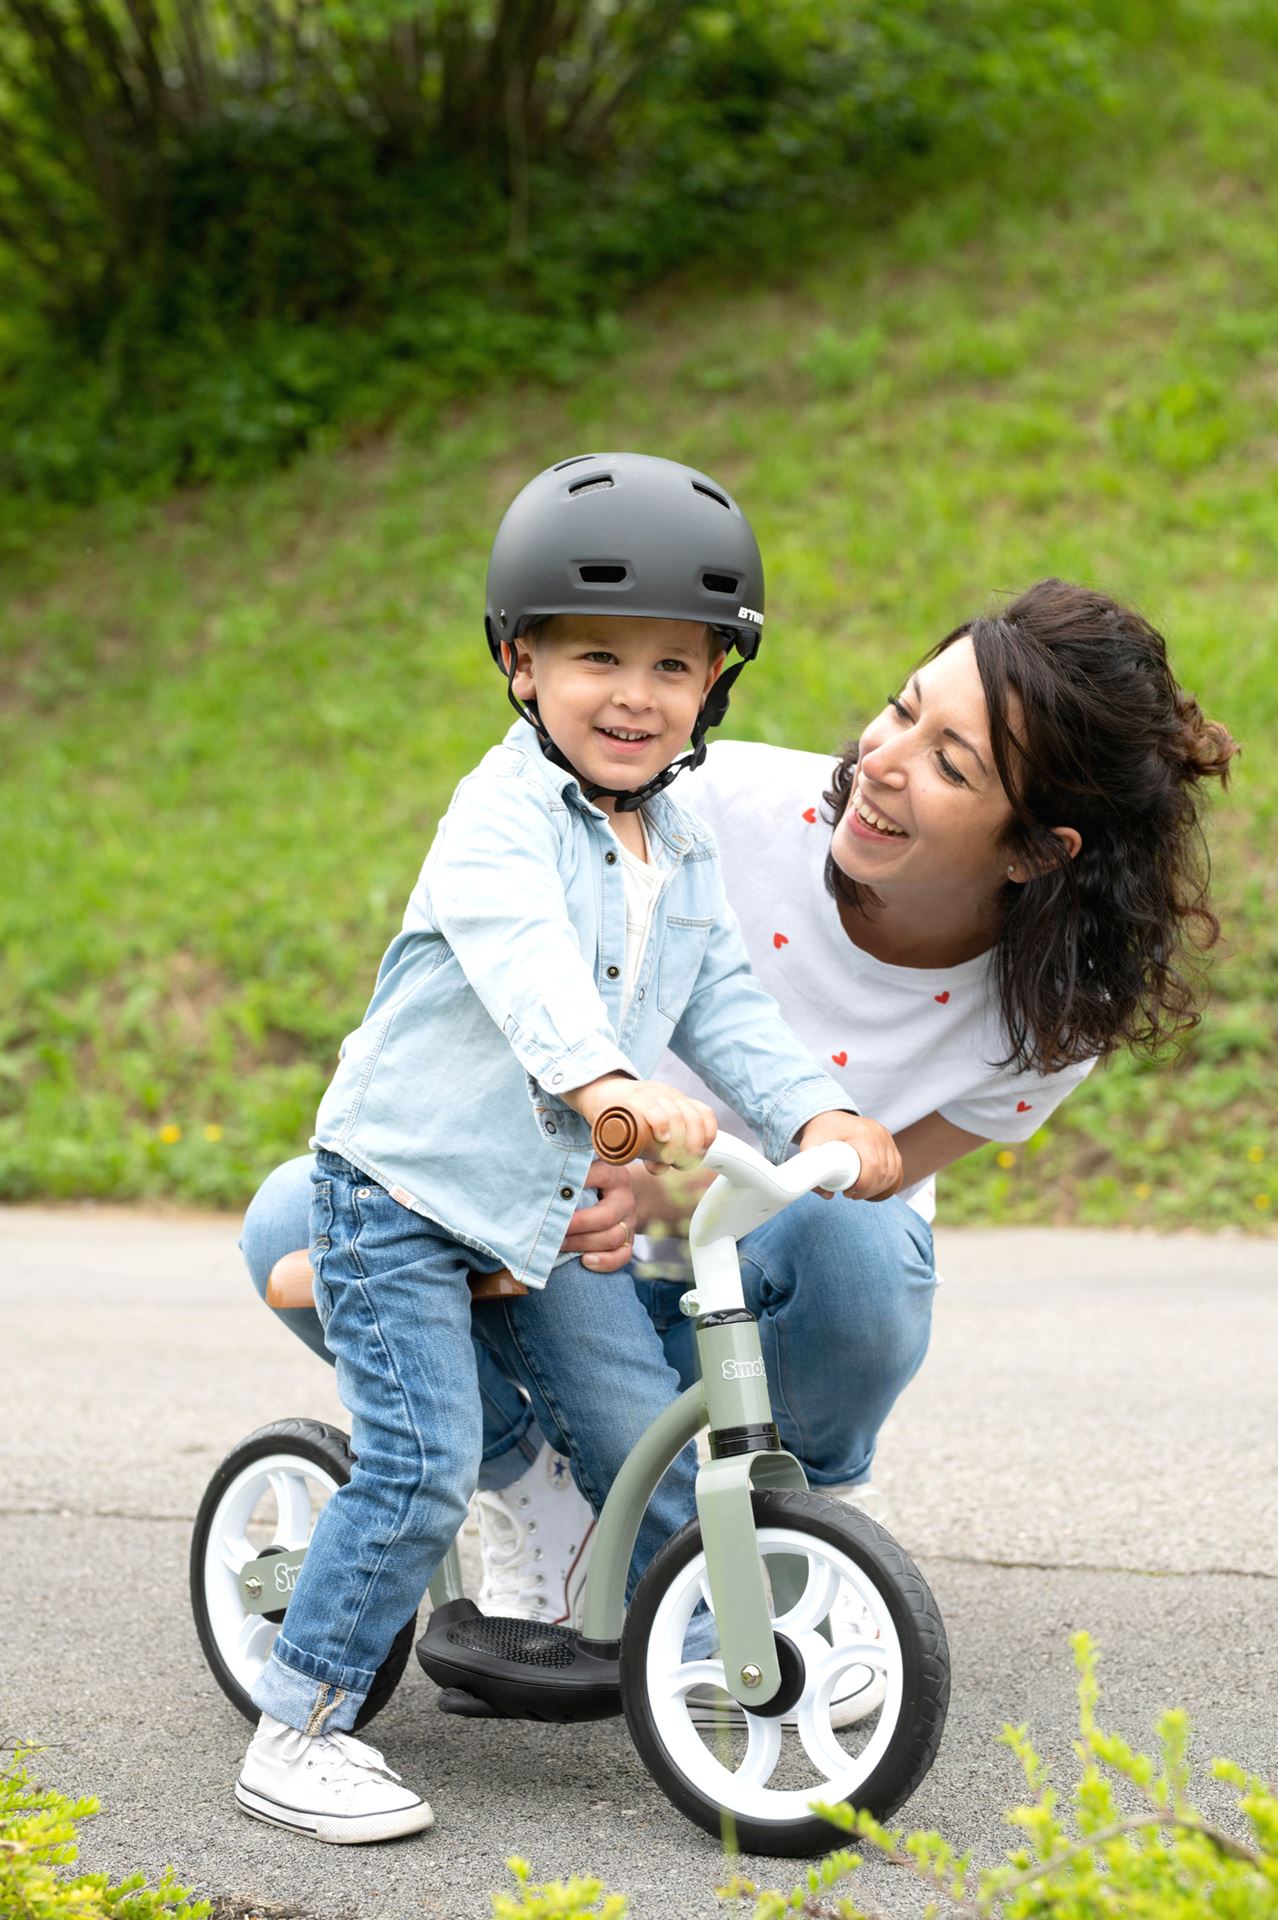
(235, 1550)
(693, 1673)
(832, 1661)
(817, 1735)
(293, 1509)
(814, 1603)
(254, 1638)
(763, 1750)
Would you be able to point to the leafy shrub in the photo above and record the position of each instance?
(292, 232)
(557, 1900)
(1130, 1843)
(38, 1835)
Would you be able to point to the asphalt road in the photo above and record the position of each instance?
(1092, 1443)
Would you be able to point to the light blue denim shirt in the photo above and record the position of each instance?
(503, 990)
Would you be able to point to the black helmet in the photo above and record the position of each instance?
(625, 533)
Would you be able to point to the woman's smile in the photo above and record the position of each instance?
(870, 822)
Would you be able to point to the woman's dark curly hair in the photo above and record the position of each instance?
(1095, 953)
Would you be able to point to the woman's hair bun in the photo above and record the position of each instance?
(1206, 747)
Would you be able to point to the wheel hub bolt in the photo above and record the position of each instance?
(253, 1587)
(751, 1676)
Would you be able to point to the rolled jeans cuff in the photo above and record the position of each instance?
(310, 1696)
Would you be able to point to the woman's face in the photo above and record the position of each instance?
(926, 779)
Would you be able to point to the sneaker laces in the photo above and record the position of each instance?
(354, 1764)
(512, 1582)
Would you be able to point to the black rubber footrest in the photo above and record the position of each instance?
(517, 1669)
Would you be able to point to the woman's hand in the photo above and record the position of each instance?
(602, 1236)
(881, 1174)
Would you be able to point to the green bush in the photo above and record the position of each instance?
(204, 277)
(557, 1900)
(38, 1836)
(1129, 1843)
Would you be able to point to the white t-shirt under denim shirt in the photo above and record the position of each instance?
(909, 1040)
(642, 882)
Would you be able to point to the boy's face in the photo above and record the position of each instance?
(618, 694)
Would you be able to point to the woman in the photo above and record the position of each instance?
(999, 883)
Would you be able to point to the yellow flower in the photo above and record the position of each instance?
(170, 1134)
(1255, 1155)
(1143, 1190)
(1261, 1203)
(1006, 1159)
(213, 1133)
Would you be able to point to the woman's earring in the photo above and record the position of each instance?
(1011, 873)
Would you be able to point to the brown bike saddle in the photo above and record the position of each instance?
(290, 1283)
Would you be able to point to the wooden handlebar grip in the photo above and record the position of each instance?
(619, 1137)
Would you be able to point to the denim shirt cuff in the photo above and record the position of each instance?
(583, 1063)
(802, 1103)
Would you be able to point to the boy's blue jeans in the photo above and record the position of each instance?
(392, 1296)
(842, 1291)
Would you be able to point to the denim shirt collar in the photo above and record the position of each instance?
(677, 827)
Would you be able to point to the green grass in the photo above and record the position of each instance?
(228, 725)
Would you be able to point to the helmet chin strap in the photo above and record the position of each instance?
(629, 799)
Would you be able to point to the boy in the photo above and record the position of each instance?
(568, 924)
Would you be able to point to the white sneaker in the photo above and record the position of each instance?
(862, 1689)
(870, 1499)
(328, 1785)
(535, 1537)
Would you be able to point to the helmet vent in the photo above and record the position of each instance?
(710, 494)
(603, 574)
(721, 583)
(590, 486)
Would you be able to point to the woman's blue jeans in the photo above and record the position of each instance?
(842, 1291)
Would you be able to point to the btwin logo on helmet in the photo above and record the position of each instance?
(748, 613)
(742, 1369)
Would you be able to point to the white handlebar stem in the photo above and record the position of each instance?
(749, 1191)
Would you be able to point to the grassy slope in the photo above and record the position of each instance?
(228, 727)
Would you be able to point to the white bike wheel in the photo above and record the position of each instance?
(762, 1772)
(267, 1493)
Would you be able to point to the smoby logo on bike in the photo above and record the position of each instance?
(742, 1369)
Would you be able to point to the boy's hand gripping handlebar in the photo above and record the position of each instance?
(749, 1191)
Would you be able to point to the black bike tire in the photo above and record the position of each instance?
(324, 1446)
(925, 1654)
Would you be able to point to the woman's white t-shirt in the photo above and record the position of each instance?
(905, 1041)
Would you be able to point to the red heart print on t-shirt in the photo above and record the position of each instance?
(809, 814)
(780, 940)
(1023, 1106)
(840, 1059)
(941, 998)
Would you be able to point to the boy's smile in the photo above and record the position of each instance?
(618, 694)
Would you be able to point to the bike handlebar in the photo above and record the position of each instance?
(620, 1136)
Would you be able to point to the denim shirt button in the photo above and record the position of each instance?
(555, 1079)
(551, 1127)
(610, 858)
(639, 995)
(565, 1193)
(614, 973)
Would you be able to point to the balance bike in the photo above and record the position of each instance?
(813, 1602)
